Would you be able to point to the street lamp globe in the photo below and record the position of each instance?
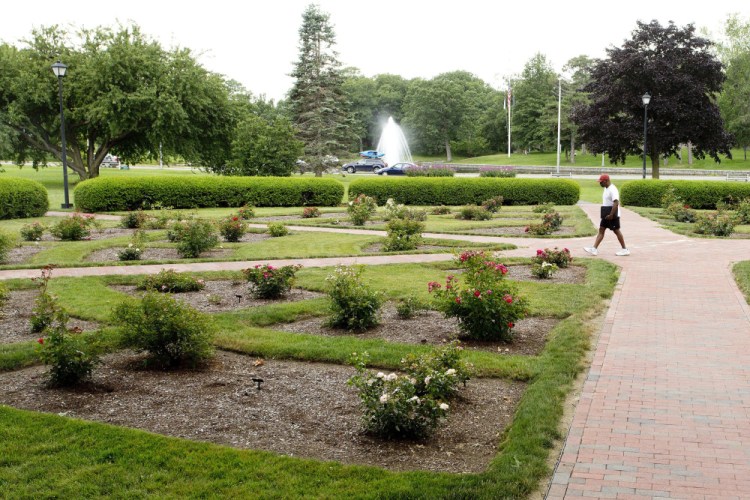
(646, 98)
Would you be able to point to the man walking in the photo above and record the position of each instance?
(610, 213)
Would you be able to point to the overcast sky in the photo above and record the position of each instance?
(256, 42)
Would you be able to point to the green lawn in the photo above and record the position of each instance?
(49, 455)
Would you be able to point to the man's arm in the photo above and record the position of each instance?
(613, 212)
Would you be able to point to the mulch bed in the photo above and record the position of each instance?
(378, 248)
(153, 253)
(574, 275)
(302, 410)
(516, 231)
(20, 255)
(15, 318)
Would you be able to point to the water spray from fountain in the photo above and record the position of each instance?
(393, 144)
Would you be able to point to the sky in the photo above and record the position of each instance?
(256, 42)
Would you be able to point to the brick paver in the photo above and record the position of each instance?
(665, 408)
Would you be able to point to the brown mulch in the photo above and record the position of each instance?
(225, 295)
(302, 410)
(378, 248)
(430, 327)
(19, 255)
(111, 254)
(15, 318)
(574, 275)
(516, 231)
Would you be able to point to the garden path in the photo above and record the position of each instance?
(664, 411)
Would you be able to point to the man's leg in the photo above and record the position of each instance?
(620, 238)
(600, 236)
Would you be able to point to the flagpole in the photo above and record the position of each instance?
(559, 107)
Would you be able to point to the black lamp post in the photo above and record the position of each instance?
(646, 99)
(59, 69)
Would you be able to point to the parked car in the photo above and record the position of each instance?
(396, 169)
(364, 165)
(111, 161)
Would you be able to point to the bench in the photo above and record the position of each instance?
(738, 176)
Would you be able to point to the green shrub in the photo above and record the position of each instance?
(743, 211)
(73, 228)
(310, 212)
(70, 358)
(45, 306)
(4, 297)
(134, 219)
(561, 258)
(502, 172)
(539, 229)
(170, 281)
(195, 237)
(232, 228)
(409, 307)
(680, 212)
(134, 249)
(493, 204)
(120, 194)
(277, 229)
(22, 198)
(699, 195)
(33, 231)
(719, 223)
(7, 242)
(172, 332)
(473, 212)
(162, 218)
(435, 171)
(246, 212)
(554, 219)
(360, 209)
(543, 270)
(543, 208)
(353, 305)
(485, 304)
(441, 210)
(403, 234)
(467, 191)
(270, 282)
(439, 372)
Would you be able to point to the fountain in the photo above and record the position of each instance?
(393, 144)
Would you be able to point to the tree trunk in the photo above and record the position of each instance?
(690, 152)
(745, 150)
(572, 149)
(654, 164)
(449, 156)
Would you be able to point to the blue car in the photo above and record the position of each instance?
(396, 169)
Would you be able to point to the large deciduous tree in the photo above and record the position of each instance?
(317, 99)
(734, 101)
(122, 93)
(535, 111)
(683, 77)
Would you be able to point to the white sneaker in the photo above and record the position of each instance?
(623, 252)
(591, 250)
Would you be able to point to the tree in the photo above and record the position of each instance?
(317, 99)
(262, 147)
(677, 68)
(734, 100)
(446, 110)
(122, 93)
(535, 111)
(574, 97)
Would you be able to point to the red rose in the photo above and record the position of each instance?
(458, 300)
(511, 324)
(40, 340)
(477, 293)
(508, 299)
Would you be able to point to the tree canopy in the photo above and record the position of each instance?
(683, 77)
(123, 94)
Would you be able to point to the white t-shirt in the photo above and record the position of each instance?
(609, 196)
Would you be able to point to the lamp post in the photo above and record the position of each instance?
(646, 99)
(59, 70)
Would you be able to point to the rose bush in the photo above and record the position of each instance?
(269, 282)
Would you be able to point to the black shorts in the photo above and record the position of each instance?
(613, 224)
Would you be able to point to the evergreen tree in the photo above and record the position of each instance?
(317, 100)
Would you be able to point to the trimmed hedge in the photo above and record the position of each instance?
(466, 191)
(21, 198)
(697, 194)
(108, 194)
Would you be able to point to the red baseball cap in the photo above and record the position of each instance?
(603, 177)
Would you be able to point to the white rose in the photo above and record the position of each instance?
(414, 398)
(427, 380)
(391, 376)
(130, 245)
(444, 406)
(380, 375)
(384, 398)
(451, 372)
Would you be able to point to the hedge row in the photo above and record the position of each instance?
(467, 191)
(20, 198)
(697, 194)
(108, 194)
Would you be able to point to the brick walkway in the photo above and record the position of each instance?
(665, 408)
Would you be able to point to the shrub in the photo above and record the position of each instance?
(45, 305)
(439, 372)
(4, 297)
(543, 208)
(743, 211)
(543, 270)
(392, 408)
(232, 228)
(134, 249)
(33, 231)
(403, 234)
(70, 358)
(493, 204)
(360, 209)
(134, 219)
(160, 219)
(561, 258)
(195, 237)
(310, 212)
(554, 219)
(433, 171)
(353, 305)
(73, 228)
(409, 307)
(503, 172)
(473, 212)
(485, 304)
(277, 229)
(7, 241)
(246, 212)
(269, 282)
(699, 195)
(539, 229)
(170, 281)
(441, 210)
(21, 198)
(172, 332)
(719, 223)
(680, 212)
